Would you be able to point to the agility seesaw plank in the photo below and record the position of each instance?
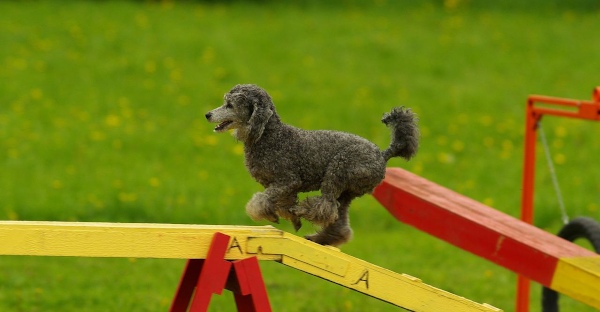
(193, 241)
(491, 234)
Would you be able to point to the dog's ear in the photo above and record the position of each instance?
(261, 113)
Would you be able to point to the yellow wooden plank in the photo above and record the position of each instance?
(139, 240)
(136, 240)
(399, 289)
(579, 278)
(322, 258)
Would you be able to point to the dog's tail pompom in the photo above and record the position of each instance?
(405, 133)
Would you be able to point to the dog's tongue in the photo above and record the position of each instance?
(222, 125)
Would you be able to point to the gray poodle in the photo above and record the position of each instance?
(287, 160)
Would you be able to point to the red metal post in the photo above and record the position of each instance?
(574, 109)
(531, 124)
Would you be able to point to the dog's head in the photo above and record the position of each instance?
(247, 108)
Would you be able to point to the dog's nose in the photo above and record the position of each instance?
(208, 115)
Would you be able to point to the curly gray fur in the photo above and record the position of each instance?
(287, 160)
(405, 133)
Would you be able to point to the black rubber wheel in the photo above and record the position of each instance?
(580, 227)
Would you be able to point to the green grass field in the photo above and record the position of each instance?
(101, 119)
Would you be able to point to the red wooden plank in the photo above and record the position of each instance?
(473, 226)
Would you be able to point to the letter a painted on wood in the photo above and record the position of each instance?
(364, 278)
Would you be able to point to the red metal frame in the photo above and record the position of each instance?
(204, 277)
(537, 107)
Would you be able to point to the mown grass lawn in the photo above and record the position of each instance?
(101, 119)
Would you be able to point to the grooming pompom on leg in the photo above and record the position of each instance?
(260, 208)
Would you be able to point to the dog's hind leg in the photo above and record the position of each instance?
(323, 210)
(338, 232)
(319, 210)
(356, 169)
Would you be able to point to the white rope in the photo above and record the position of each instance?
(561, 203)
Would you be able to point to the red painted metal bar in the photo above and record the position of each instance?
(537, 107)
(531, 124)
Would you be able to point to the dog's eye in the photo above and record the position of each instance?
(228, 105)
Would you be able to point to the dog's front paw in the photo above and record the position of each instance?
(260, 208)
(290, 214)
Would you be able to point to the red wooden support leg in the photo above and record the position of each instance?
(188, 282)
(209, 276)
(250, 293)
(214, 273)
